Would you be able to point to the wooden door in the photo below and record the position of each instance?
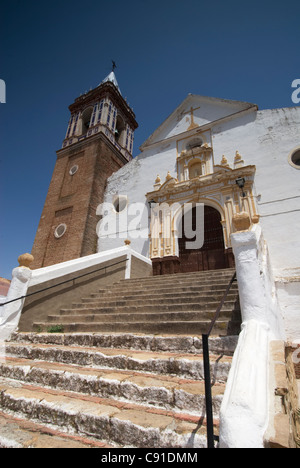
(212, 255)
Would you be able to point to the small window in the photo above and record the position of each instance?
(294, 158)
(73, 170)
(60, 230)
(120, 203)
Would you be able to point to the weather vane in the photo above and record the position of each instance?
(113, 65)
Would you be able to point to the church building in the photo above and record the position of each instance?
(143, 269)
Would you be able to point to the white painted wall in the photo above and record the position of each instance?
(135, 180)
(289, 298)
(266, 142)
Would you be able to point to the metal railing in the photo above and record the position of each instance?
(207, 377)
(64, 282)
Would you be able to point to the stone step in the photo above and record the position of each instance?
(227, 273)
(107, 390)
(170, 393)
(85, 316)
(154, 308)
(161, 290)
(191, 299)
(141, 285)
(180, 344)
(21, 433)
(131, 297)
(144, 284)
(120, 423)
(221, 328)
(186, 366)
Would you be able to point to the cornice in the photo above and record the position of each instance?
(79, 146)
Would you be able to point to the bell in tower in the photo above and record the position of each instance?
(98, 142)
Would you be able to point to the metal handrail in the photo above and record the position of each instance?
(64, 282)
(206, 364)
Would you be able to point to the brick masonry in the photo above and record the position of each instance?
(73, 199)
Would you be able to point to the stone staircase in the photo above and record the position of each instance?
(101, 387)
(174, 304)
(108, 390)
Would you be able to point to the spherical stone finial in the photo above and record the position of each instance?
(25, 260)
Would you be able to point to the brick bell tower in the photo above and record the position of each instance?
(98, 142)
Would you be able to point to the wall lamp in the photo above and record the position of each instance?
(241, 184)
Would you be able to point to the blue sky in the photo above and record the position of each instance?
(51, 52)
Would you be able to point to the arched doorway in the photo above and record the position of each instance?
(213, 255)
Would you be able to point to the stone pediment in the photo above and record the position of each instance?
(197, 112)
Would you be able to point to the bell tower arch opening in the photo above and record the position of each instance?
(86, 119)
(120, 131)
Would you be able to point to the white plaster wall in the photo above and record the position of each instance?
(134, 180)
(206, 110)
(289, 299)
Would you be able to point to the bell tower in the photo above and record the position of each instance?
(98, 142)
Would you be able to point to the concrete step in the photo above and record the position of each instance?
(170, 393)
(113, 422)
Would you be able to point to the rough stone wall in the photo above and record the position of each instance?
(292, 353)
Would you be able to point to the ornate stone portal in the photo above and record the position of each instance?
(199, 180)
